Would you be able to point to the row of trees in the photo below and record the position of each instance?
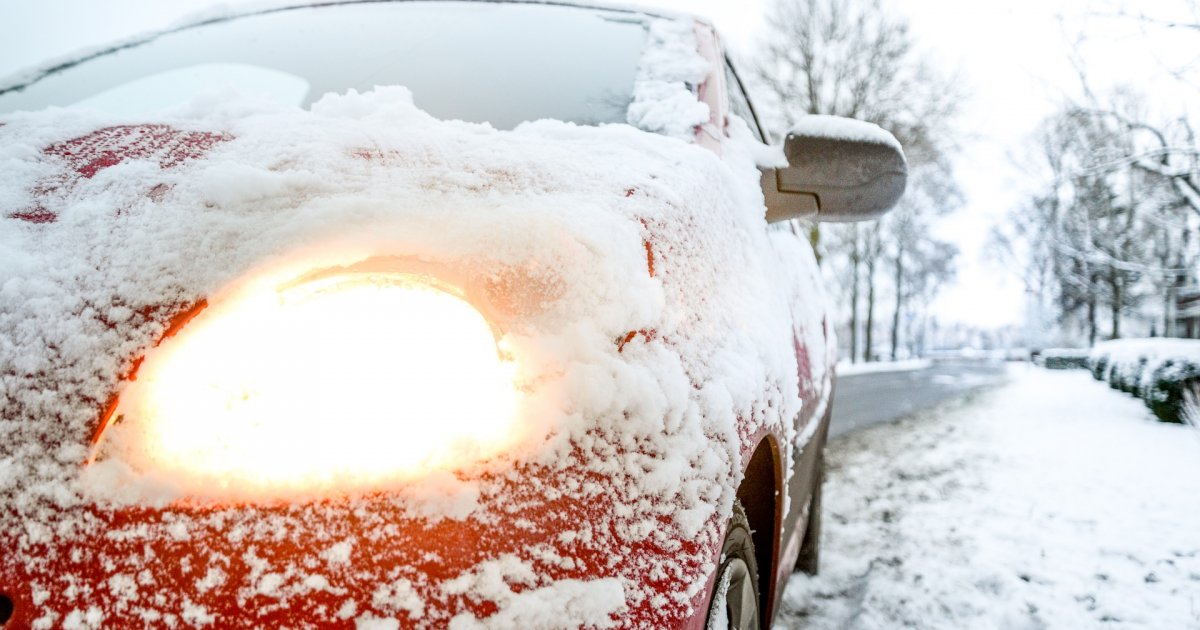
(855, 58)
(1114, 234)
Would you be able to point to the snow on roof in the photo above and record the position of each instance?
(112, 227)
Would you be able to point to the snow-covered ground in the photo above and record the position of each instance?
(846, 368)
(1052, 502)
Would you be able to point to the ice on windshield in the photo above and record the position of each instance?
(502, 64)
(179, 86)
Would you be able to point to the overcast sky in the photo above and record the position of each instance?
(1011, 55)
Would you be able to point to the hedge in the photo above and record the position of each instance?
(1158, 371)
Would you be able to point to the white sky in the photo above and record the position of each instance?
(1011, 55)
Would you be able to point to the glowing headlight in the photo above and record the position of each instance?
(341, 382)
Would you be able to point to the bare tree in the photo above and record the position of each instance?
(920, 263)
(854, 58)
(1111, 233)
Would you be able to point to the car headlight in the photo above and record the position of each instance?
(343, 380)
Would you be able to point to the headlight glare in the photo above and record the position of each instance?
(342, 382)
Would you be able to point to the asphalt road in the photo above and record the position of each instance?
(862, 400)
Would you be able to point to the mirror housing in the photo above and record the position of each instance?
(838, 169)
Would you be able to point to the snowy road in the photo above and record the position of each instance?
(1051, 502)
(866, 399)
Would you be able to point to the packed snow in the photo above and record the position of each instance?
(659, 105)
(845, 129)
(1052, 502)
(641, 297)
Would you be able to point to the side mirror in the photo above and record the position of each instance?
(838, 169)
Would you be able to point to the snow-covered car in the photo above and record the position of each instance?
(279, 348)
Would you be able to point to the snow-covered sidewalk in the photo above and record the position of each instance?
(846, 368)
(1052, 502)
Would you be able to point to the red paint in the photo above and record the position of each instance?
(646, 242)
(85, 156)
(387, 544)
(647, 335)
(170, 147)
(803, 369)
(36, 214)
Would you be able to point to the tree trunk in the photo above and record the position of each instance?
(1117, 296)
(1091, 314)
(899, 301)
(855, 259)
(868, 351)
(1168, 302)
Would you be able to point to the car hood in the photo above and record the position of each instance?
(642, 304)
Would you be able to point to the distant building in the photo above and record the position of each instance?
(1187, 313)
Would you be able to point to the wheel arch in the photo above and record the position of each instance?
(761, 496)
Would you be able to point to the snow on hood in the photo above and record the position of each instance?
(364, 176)
(660, 336)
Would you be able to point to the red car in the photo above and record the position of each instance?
(279, 348)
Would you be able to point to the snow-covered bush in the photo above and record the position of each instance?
(1191, 406)
(1156, 370)
(1064, 358)
(1164, 392)
(1128, 376)
(1097, 362)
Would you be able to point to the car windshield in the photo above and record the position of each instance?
(475, 61)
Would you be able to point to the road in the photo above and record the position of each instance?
(862, 400)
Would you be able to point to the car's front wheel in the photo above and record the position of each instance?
(734, 601)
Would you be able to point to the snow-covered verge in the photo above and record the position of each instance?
(1052, 502)
(846, 368)
(1160, 371)
(637, 289)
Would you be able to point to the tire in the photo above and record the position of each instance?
(734, 602)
